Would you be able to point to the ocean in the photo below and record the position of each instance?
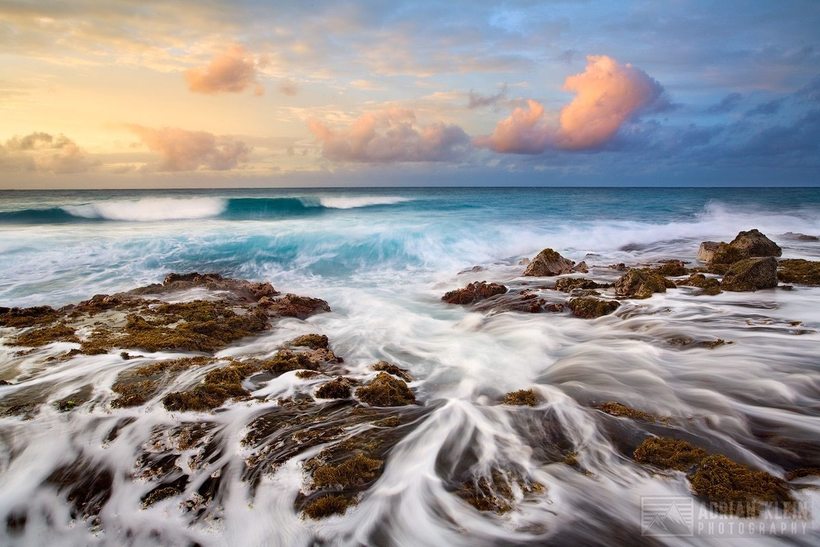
(382, 259)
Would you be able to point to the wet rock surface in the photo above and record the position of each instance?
(641, 283)
(751, 274)
(799, 271)
(474, 292)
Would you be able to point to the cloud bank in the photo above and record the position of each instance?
(233, 71)
(391, 135)
(607, 95)
(44, 153)
(183, 150)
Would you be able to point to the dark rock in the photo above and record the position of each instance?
(800, 237)
(797, 270)
(548, 263)
(390, 368)
(338, 388)
(474, 292)
(708, 285)
(751, 274)
(589, 307)
(641, 283)
(292, 305)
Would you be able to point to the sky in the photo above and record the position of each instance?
(127, 94)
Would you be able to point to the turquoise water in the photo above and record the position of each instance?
(63, 245)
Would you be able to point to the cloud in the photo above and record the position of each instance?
(478, 101)
(183, 150)
(391, 135)
(233, 71)
(726, 104)
(607, 95)
(766, 109)
(44, 153)
(289, 88)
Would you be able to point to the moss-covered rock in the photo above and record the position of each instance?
(797, 270)
(313, 341)
(42, 336)
(386, 390)
(733, 488)
(568, 284)
(390, 368)
(589, 307)
(218, 386)
(548, 263)
(474, 292)
(671, 268)
(641, 283)
(327, 505)
(27, 317)
(669, 453)
(522, 397)
(354, 471)
(707, 285)
(494, 492)
(614, 408)
(338, 388)
(751, 274)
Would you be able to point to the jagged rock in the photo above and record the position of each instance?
(581, 267)
(640, 283)
(474, 292)
(548, 263)
(797, 270)
(589, 307)
(708, 285)
(751, 274)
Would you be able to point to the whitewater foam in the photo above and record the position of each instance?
(150, 209)
(354, 202)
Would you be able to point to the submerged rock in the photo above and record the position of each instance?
(751, 274)
(641, 283)
(708, 285)
(474, 292)
(797, 270)
(589, 307)
(548, 263)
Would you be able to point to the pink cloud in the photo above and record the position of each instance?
(230, 72)
(607, 94)
(391, 135)
(183, 150)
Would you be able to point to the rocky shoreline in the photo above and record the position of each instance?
(344, 426)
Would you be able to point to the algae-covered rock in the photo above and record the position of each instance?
(733, 488)
(568, 284)
(708, 285)
(754, 243)
(522, 397)
(669, 453)
(386, 390)
(327, 505)
(747, 244)
(751, 274)
(797, 270)
(338, 388)
(641, 283)
(27, 317)
(46, 335)
(589, 307)
(548, 263)
(672, 268)
(474, 292)
(390, 368)
(614, 408)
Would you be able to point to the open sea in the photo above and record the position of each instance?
(382, 259)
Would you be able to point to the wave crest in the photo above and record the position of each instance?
(150, 209)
